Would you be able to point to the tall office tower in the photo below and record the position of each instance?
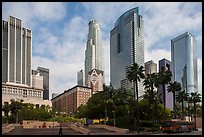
(94, 54)
(126, 48)
(16, 52)
(45, 73)
(184, 61)
(150, 67)
(80, 78)
(168, 95)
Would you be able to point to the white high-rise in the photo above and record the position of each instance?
(94, 54)
(16, 52)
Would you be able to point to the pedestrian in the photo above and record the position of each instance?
(60, 130)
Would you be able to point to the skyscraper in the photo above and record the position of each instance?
(16, 65)
(44, 72)
(184, 61)
(126, 47)
(150, 67)
(94, 54)
(80, 78)
(16, 52)
(168, 95)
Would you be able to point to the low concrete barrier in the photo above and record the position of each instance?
(39, 124)
(8, 128)
(111, 128)
(79, 129)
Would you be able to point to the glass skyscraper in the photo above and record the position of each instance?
(184, 61)
(16, 52)
(126, 48)
(94, 53)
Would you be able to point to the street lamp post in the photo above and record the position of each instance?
(53, 122)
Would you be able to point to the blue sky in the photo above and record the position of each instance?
(59, 32)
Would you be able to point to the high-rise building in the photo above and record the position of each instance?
(184, 61)
(168, 95)
(126, 47)
(16, 52)
(16, 65)
(94, 54)
(37, 80)
(150, 67)
(80, 78)
(44, 72)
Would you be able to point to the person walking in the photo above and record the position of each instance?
(60, 130)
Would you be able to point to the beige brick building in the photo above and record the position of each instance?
(68, 101)
(27, 94)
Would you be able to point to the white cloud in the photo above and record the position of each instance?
(157, 55)
(32, 12)
(61, 48)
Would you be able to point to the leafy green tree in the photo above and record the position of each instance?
(15, 107)
(180, 98)
(81, 111)
(6, 109)
(174, 87)
(164, 77)
(134, 74)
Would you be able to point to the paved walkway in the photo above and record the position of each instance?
(43, 131)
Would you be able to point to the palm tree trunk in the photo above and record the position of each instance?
(174, 104)
(182, 109)
(164, 100)
(136, 88)
(105, 113)
(195, 114)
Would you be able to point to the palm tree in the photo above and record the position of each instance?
(164, 77)
(181, 97)
(174, 87)
(134, 74)
(150, 82)
(195, 97)
(110, 98)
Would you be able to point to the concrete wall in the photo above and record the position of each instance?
(79, 129)
(112, 128)
(39, 124)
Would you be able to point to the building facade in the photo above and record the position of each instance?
(94, 53)
(168, 95)
(28, 94)
(16, 65)
(184, 61)
(44, 72)
(126, 47)
(37, 80)
(68, 101)
(150, 67)
(80, 78)
(95, 80)
(16, 52)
